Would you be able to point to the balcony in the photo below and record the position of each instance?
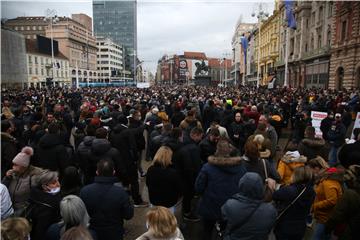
(317, 53)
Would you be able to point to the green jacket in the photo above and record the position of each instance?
(347, 211)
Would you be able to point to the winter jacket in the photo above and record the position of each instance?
(347, 211)
(177, 118)
(164, 185)
(312, 147)
(287, 165)
(52, 154)
(102, 149)
(149, 235)
(237, 128)
(187, 124)
(237, 209)
(84, 158)
(257, 165)
(217, 182)
(6, 204)
(56, 230)
(207, 148)
(337, 137)
(349, 154)
(325, 126)
(293, 221)
(328, 192)
(188, 163)
(45, 211)
(20, 186)
(8, 152)
(107, 218)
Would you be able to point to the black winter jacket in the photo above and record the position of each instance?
(107, 218)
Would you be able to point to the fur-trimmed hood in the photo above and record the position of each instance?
(314, 142)
(293, 157)
(224, 161)
(332, 174)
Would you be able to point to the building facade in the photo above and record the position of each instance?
(238, 55)
(39, 67)
(28, 26)
(308, 45)
(117, 21)
(269, 47)
(77, 43)
(110, 64)
(345, 50)
(13, 59)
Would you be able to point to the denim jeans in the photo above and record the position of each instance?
(333, 156)
(319, 232)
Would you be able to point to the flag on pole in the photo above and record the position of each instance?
(244, 44)
(290, 15)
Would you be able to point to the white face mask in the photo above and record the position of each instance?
(54, 190)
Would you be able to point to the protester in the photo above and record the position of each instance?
(163, 181)
(21, 179)
(294, 202)
(161, 225)
(347, 210)
(216, 183)
(73, 213)
(15, 229)
(289, 162)
(328, 192)
(247, 216)
(44, 204)
(115, 204)
(6, 204)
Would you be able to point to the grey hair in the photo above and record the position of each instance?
(47, 177)
(73, 212)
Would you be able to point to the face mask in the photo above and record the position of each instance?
(54, 190)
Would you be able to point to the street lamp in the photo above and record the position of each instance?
(52, 18)
(260, 15)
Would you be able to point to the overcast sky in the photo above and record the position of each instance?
(164, 26)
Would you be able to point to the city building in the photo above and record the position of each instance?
(39, 70)
(269, 46)
(220, 71)
(77, 43)
(13, 59)
(28, 26)
(345, 47)
(251, 61)
(110, 64)
(193, 68)
(308, 45)
(117, 21)
(238, 54)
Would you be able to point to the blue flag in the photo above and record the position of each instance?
(244, 43)
(290, 16)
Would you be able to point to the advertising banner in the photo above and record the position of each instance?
(183, 68)
(316, 121)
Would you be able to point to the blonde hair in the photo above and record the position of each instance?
(163, 156)
(259, 140)
(162, 222)
(302, 174)
(15, 229)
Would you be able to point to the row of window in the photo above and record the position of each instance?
(29, 28)
(35, 60)
(47, 72)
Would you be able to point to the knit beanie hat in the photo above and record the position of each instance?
(23, 158)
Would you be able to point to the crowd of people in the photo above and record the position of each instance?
(72, 159)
